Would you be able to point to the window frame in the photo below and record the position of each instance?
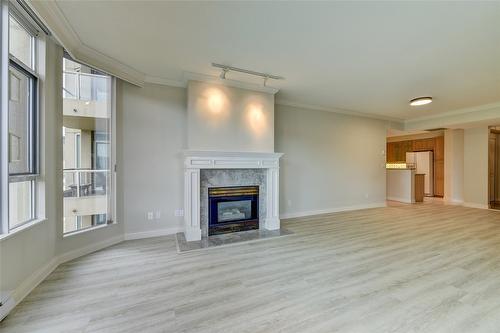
(8, 10)
(34, 153)
(4, 120)
(33, 32)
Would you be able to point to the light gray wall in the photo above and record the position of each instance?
(154, 136)
(28, 251)
(229, 119)
(476, 166)
(332, 161)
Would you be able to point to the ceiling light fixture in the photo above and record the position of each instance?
(421, 101)
(226, 69)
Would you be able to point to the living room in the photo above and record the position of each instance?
(227, 166)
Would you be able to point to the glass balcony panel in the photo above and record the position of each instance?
(81, 222)
(70, 85)
(94, 87)
(85, 183)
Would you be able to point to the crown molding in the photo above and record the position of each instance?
(52, 16)
(457, 112)
(165, 82)
(457, 118)
(339, 111)
(189, 76)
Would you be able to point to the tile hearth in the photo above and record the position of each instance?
(227, 239)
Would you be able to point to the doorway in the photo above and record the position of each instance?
(494, 168)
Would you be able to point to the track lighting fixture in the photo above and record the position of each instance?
(226, 69)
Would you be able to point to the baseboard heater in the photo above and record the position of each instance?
(6, 304)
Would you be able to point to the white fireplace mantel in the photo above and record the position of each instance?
(194, 161)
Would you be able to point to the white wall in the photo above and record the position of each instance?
(154, 136)
(229, 119)
(476, 167)
(454, 165)
(331, 162)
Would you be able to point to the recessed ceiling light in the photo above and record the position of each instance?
(420, 101)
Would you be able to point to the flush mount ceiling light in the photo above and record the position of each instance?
(420, 101)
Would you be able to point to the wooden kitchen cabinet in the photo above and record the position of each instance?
(396, 151)
(423, 144)
(439, 148)
(390, 157)
(439, 178)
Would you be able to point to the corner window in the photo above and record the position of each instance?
(87, 158)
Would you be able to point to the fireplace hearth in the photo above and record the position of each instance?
(233, 209)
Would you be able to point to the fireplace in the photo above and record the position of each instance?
(233, 209)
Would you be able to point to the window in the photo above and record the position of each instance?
(21, 132)
(87, 147)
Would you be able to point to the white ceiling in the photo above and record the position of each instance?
(369, 57)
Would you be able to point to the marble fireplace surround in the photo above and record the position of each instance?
(242, 168)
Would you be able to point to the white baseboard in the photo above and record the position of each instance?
(403, 200)
(33, 280)
(333, 210)
(475, 205)
(41, 274)
(453, 202)
(89, 249)
(152, 233)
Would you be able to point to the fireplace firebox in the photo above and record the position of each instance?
(233, 209)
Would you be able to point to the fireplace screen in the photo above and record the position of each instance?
(233, 209)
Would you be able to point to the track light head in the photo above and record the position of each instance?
(223, 73)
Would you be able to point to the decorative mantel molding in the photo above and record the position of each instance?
(195, 161)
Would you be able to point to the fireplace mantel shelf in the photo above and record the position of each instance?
(195, 161)
(201, 159)
(216, 153)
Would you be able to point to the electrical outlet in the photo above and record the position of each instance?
(150, 216)
(179, 212)
(157, 214)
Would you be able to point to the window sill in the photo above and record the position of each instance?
(79, 232)
(22, 228)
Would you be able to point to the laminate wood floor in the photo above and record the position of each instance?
(404, 268)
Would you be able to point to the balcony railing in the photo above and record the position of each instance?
(86, 87)
(85, 183)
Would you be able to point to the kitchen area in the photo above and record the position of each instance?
(415, 166)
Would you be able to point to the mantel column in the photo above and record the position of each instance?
(272, 221)
(192, 229)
